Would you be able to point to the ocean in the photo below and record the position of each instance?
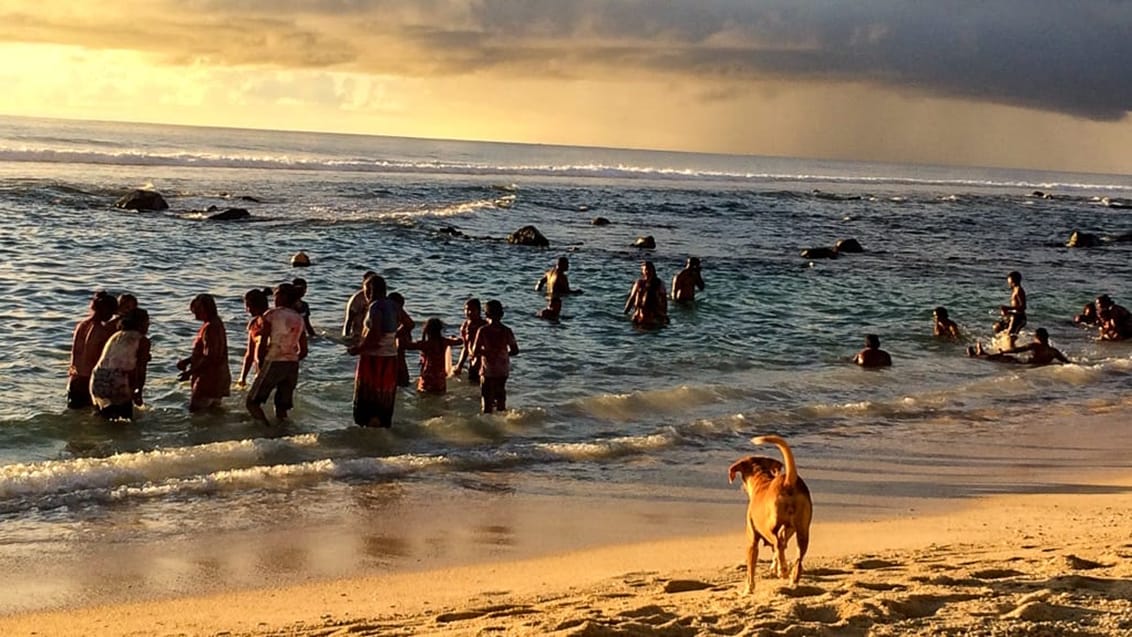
(603, 418)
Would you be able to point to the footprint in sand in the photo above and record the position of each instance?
(825, 572)
(818, 614)
(685, 586)
(920, 606)
(996, 573)
(801, 591)
(1043, 612)
(880, 586)
(873, 564)
(1081, 564)
(947, 580)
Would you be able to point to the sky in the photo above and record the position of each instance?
(1016, 83)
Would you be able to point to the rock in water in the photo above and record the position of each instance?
(645, 243)
(142, 200)
(528, 236)
(1083, 240)
(819, 253)
(230, 214)
(847, 246)
(300, 260)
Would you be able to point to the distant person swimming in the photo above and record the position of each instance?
(647, 300)
(687, 281)
(555, 280)
(872, 355)
(943, 326)
(1114, 320)
(1041, 352)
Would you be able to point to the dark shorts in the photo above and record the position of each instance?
(78, 393)
(493, 391)
(280, 377)
(124, 411)
(1015, 323)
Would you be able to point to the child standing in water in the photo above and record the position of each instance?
(90, 337)
(282, 345)
(207, 366)
(494, 346)
(468, 330)
(405, 325)
(119, 376)
(301, 306)
(435, 357)
(255, 303)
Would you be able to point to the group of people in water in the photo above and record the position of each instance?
(110, 351)
(1113, 321)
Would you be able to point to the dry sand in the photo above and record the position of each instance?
(1045, 564)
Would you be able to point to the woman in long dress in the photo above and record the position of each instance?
(375, 381)
(207, 367)
(119, 376)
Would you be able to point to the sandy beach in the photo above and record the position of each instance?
(1054, 563)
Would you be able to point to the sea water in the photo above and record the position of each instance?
(599, 412)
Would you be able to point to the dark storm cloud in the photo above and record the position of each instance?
(1069, 57)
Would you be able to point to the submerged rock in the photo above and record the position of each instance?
(645, 243)
(846, 246)
(528, 236)
(300, 260)
(231, 214)
(142, 200)
(819, 253)
(600, 221)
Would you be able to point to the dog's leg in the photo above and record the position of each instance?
(752, 556)
(803, 544)
(752, 559)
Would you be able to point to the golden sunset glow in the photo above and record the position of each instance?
(755, 78)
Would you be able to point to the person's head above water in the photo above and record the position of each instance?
(872, 341)
(1014, 278)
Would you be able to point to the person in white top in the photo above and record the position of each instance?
(282, 344)
(117, 379)
(356, 309)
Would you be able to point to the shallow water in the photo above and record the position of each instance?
(597, 407)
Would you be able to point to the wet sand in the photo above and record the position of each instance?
(1036, 543)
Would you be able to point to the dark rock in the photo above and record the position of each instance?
(212, 209)
(528, 236)
(451, 231)
(848, 246)
(230, 214)
(600, 221)
(1123, 238)
(300, 260)
(819, 253)
(645, 243)
(142, 200)
(1115, 203)
(250, 198)
(1083, 240)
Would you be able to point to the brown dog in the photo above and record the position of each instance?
(778, 506)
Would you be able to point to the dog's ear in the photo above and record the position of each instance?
(741, 467)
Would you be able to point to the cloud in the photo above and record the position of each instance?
(1040, 54)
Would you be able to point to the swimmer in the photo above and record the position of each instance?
(1041, 352)
(686, 281)
(943, 326)
(872, 356)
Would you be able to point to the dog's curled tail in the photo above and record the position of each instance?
(787, 456)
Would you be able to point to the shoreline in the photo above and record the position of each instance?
(1026, 552)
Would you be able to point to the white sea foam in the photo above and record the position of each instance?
(238, 466)
(602, 170)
